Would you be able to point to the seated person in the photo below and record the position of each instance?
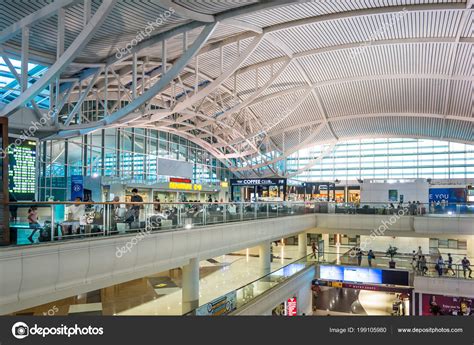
(33, 221)
(74, 215)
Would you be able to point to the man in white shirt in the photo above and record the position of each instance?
(74, 215)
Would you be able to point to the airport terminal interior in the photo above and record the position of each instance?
(212, 158)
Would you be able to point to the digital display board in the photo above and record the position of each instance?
(22, 170)
(363, 275)
(331, 272)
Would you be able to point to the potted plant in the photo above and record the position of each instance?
(391, 251)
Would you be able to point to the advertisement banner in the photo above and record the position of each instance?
(451, 195)
(446, 305)
(77, 187)
(220, 306)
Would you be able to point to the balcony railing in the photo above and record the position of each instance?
(40, 222)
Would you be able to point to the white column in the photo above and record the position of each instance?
(325, 238)
(264, 253)
(302, 245)
(190, 290)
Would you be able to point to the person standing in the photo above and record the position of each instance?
(136, 208)
(370, 257)
(414, 262)
(359, 257)
(440, 266)
(466, 266)
(157, 205)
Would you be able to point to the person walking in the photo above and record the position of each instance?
(313, 249)
(450, 264)
(466, 266)
(440, 266)
(370, 257)
(423, 266)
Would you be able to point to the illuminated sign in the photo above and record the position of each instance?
(291, 307)
(351, 274)
(180, 180)
(185, 186)
(364, 275)
(224, 184)
(22, 170)
(258, 181)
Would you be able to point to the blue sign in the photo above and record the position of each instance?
(451, 195)
(77, 187)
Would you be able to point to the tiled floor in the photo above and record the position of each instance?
(233, 272)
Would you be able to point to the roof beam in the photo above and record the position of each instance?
(74, 49)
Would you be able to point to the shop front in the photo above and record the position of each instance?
(345, 290)
(255, 189)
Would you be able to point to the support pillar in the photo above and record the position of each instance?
(264, 253)
(470, 248)
(302, 245)
(190, 290)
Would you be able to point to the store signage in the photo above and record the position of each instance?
(291, 307)
(224, 184)
(180, 180)
(77, 187)
(257, 182)
(220, 306)
(184, 186)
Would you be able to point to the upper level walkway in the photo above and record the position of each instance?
(94, 245)
(59, 221)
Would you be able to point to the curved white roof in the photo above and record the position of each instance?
(266, 77)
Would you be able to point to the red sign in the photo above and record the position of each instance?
(291, 309)
(180, 180)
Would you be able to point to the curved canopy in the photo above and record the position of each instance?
(254, 81)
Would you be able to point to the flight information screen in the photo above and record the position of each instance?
(21, 172)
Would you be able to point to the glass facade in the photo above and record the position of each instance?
(386, 159)
(131, 154)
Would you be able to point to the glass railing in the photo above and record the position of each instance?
(243, 295)
(434, 270)
(412, 209)
(40, 222)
